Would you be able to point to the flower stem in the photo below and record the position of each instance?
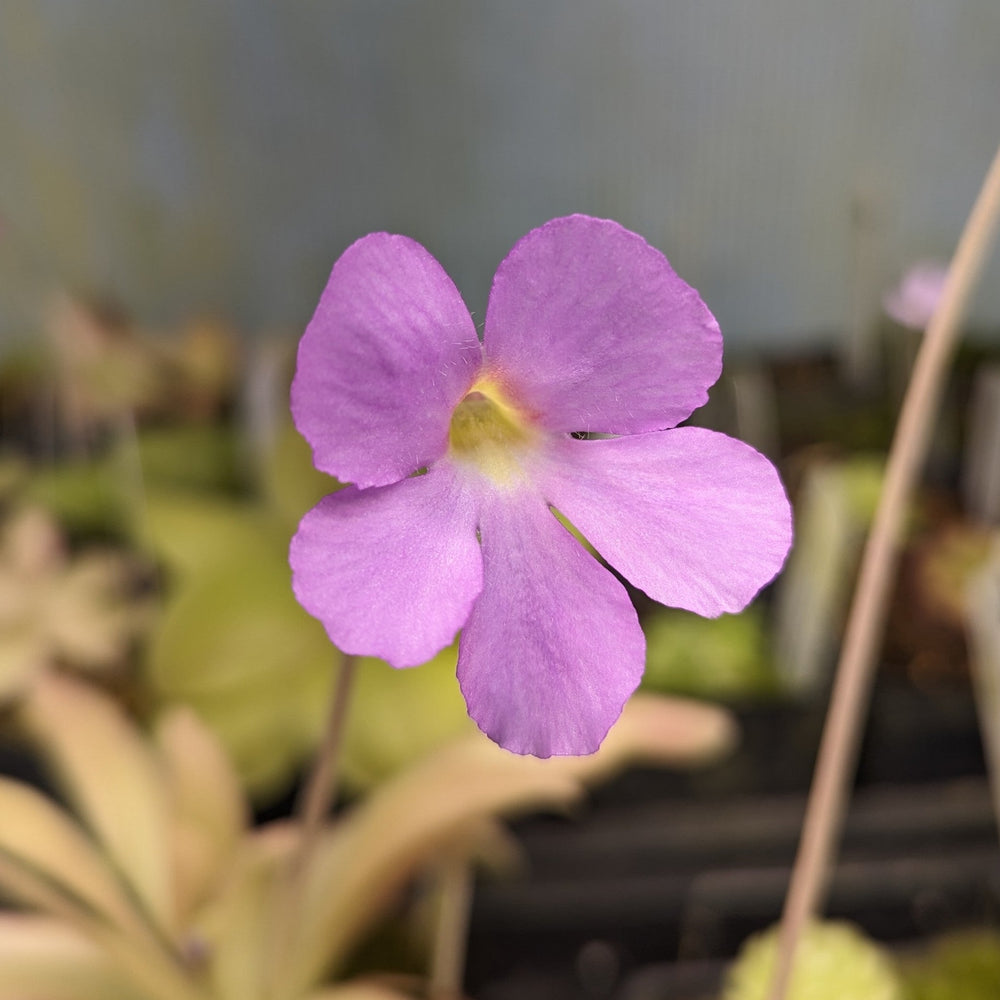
(448, 956)
(321, 787)
(311, 809)
(852, 683)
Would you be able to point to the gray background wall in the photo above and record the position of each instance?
(789, 156)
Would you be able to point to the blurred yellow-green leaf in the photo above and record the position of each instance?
(232, 642)
(46, 958)
(191, 457)
(112, 779)
(291, 484)
(410, 817)
(726, 657)
(88, 496)
(398, 716)
(962, 966)
(362, 990)
(238, 923)
(835, 961)
(45, 859)
(207, 811)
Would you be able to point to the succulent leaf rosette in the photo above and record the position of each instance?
(460, 451)
(148, 880)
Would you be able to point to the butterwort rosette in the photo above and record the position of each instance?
(460, 449)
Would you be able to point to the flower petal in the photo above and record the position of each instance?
(591, 329)
(390, 571)
(389, 352)
(696, 519)
(553, 648)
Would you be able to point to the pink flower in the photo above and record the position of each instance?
(913, 301)
(459, 450)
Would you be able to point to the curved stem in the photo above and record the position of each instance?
(852, 684)
(320, 789)
(312, 807)
(447, 969)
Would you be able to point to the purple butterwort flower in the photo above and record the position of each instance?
(459, 450)
(914, 300)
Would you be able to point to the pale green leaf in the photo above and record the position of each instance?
(194, 456)
(290, 481)
(961, 965)
(364, 989)
(112, 778)
(45, 958)
(207, 811)
(233, 643)
(834, 961)
(87, 496)
(724, 657)
(192, 530)
(659, 730)
(398, 716)
(47, 860)
(238, 924)
(402, 823)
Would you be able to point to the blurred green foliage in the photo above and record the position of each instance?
(718, 658)
(398, 716)
(232, 641)
(835, 961)
(958, 967)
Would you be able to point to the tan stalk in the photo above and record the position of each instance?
(447, 970)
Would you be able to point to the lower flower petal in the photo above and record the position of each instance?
(695, 519)
(390, 571)
(553, 648)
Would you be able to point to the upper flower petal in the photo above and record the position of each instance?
(389, 352)
(553, 648)
(390, 571)
(696, 519)
(592, 330)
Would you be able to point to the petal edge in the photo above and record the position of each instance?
(552, 649)
(388, 353)
(592, 330)
(390, 571)
(700, 520)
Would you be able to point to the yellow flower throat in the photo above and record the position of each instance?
(490, 432)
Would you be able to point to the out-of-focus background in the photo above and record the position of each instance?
(790, 158)
(176, 181)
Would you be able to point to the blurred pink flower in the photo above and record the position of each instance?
(912, 302)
